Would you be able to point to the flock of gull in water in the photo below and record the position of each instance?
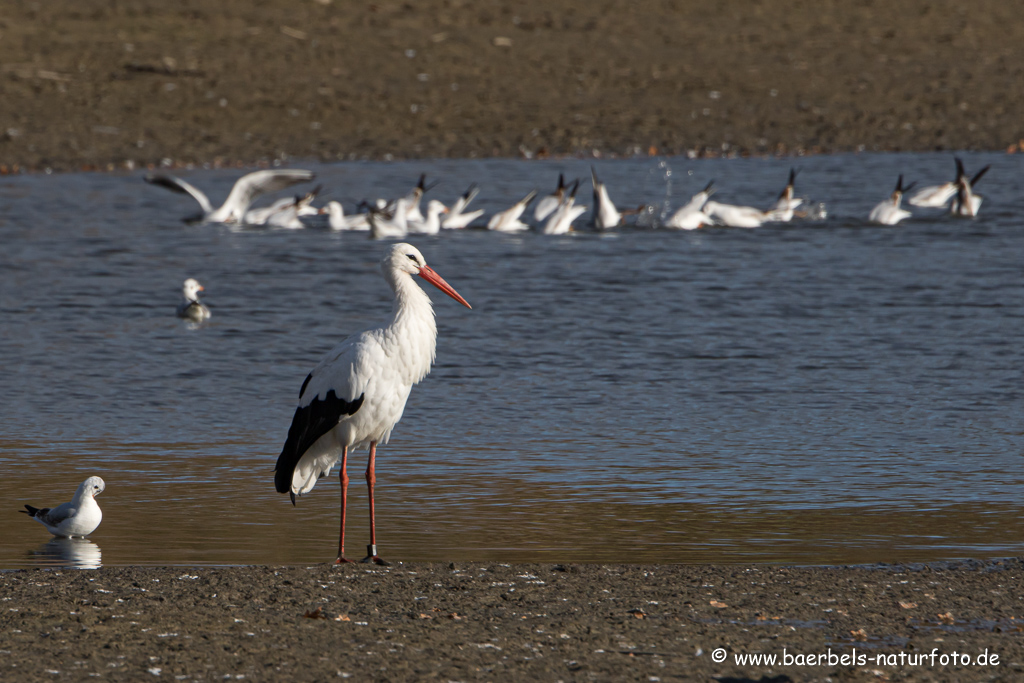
(553, 214)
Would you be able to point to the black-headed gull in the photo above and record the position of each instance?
(889, 211)
(546, 206)
(508, 220)
(431, 225)
(935, 196)
(387, 224)
(691, 215)
(79, 518)
(737, 216)
(458, 217)
(786, 204)
(605, 214)
(286, 212)
(560, 220)
(337, 220)
(966, 203)
(411, 201)
(245, 191)
(191, 308)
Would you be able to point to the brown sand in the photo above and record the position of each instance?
(491, 622)
(87, 85)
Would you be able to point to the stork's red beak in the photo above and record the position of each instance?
(431, 276)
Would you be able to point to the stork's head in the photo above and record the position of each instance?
(405, 258)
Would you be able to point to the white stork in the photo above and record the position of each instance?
(356, 395)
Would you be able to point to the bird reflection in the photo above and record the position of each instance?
(76, 553)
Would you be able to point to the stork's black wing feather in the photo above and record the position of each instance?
(309, 424)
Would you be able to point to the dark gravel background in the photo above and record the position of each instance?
(87, 85)
(496, 622)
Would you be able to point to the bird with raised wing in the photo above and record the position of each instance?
(285, 213)
(385, 223)
(192, 308)
(546, 206)
(605, 214)
(966, 202)
(458, 217)
(245, 191)
(691, 215)
(936, 196)
(356, 395)
(560, 220)
(78, 518)
(509, 219)
(786, 204)
(889, 211)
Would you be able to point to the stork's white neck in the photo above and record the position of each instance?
(412, 331)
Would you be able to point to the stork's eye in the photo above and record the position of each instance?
(412, 257)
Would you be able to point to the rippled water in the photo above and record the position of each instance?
(821, 392)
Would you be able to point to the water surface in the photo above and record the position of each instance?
(820, 392)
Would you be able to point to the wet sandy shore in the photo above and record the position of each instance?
(108, 84)
(481, 621)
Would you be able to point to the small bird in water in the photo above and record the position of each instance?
(508, 220)
(79, 518)
(191, 308)
(967, 202)
(889, 211)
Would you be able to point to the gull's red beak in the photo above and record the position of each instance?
(431, 276)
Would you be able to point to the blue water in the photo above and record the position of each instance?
(818, 392)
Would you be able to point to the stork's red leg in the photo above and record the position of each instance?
(371, 479)
(344, 496)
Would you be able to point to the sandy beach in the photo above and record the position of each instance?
(144, 82)
(496, 622)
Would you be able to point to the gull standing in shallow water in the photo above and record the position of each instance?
(245, 191)
(191, 308)
(889, 211)
(356, 395)
(79, 518)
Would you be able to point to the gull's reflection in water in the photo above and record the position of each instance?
(75, 553)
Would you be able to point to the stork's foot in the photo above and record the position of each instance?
(372, 556)
(344, 560)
